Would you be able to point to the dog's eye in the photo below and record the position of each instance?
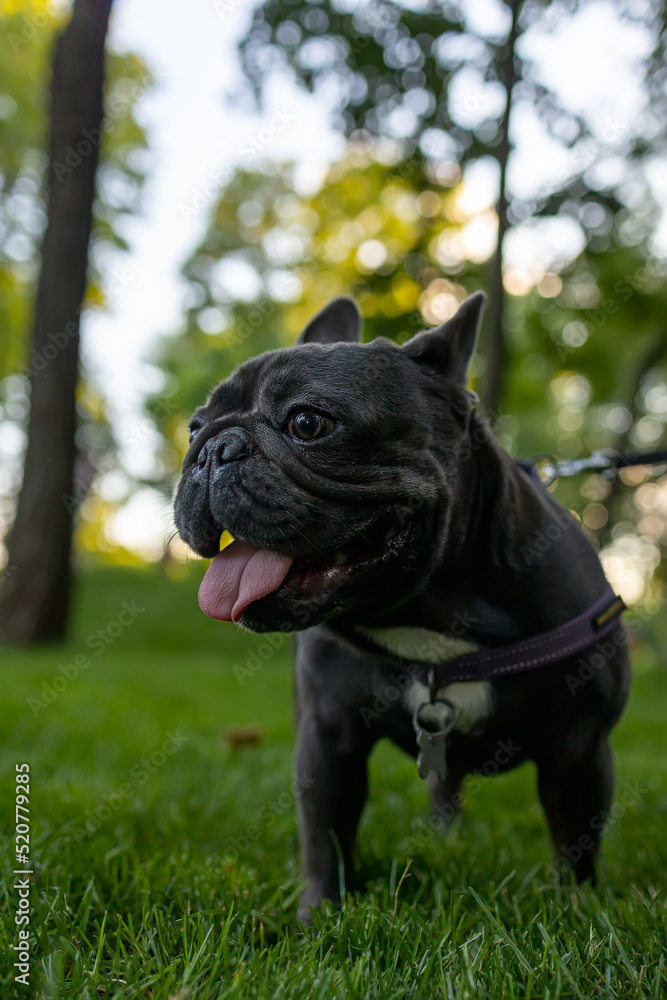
(308, 425)
(194, 431)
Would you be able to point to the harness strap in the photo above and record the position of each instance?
(566, 640)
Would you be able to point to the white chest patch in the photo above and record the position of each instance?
(473, 699)
(419, 643)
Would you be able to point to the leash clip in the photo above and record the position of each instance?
(549, 469)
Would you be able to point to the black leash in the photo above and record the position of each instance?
(607, 463)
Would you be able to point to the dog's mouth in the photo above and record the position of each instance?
(243, 573)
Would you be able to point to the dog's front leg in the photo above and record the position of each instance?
(576, 799)
(332, 779)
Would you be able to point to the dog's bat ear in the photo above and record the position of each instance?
(340, 320)
(449, 347)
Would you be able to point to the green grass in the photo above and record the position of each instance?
(179, 878)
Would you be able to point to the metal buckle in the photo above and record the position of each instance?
(547, 467)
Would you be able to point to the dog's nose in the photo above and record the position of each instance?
(230, 445)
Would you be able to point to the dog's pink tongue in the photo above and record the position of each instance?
(239, 575)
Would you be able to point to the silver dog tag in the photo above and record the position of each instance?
(432, 754)
(433, 746)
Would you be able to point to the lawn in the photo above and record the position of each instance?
(165, 852)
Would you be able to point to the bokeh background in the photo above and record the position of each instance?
(260, 160)
(257, 159)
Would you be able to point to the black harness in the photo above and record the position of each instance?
(573, 637)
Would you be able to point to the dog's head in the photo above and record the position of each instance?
(335, 466)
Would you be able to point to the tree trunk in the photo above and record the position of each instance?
(496, 345)
(34, 596)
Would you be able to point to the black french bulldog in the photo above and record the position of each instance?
(375, 514)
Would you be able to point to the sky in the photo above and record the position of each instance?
(196, 135)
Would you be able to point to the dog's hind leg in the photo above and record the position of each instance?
(576, 800)
(447, 798)
(332, 785)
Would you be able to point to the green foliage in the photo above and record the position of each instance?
(394, 65)
(605, 325)
(396, 70)
(174, 887)
(383, 56)
(590, 373)
(271, 258)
